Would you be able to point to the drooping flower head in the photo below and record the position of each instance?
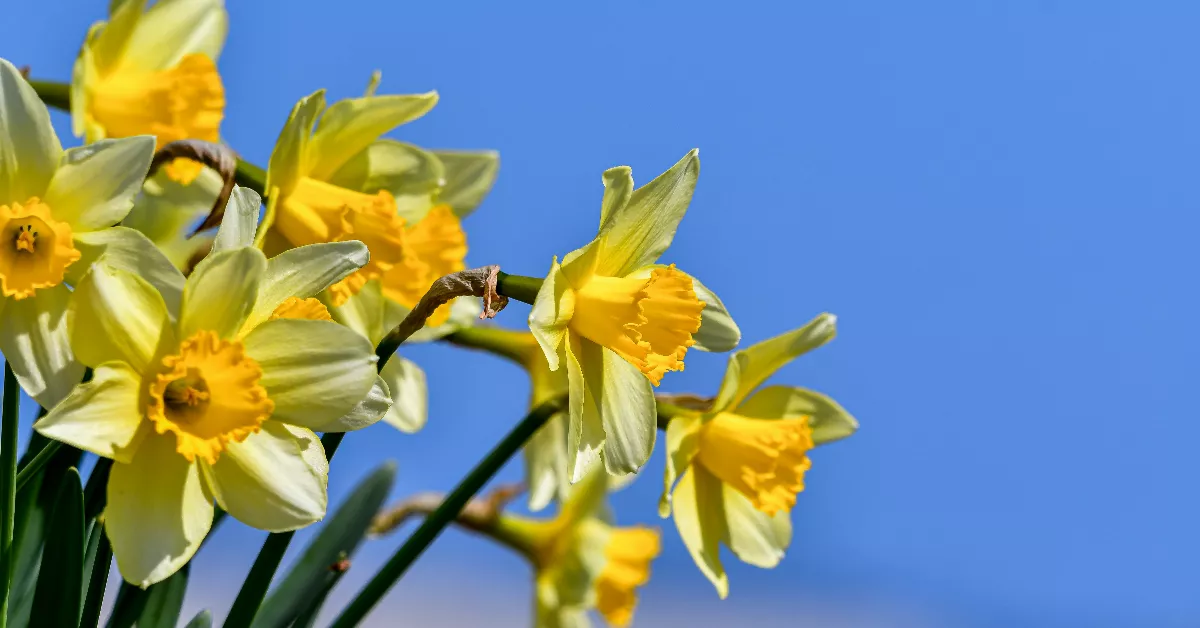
(741, 463)
(619, 321)
(214, 396)
(332, 178)
(57, 211)
(581, 561)
(153, 72)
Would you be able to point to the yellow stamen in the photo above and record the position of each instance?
(763, 459)
(35, 249)
(434, 247)
(208, 395)
(316, 211)
(628, 553)
(649, 322)
(184, 102)
(307, 309)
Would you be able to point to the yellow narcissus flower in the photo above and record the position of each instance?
(619, 322)
(168, 212)
(582, 562)
(332, 178)
(741, 463)
(153, 72)
(215, 398)
(57, 211)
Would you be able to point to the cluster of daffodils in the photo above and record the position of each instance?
(199, 365)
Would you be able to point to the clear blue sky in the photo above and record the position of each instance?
(998, 199)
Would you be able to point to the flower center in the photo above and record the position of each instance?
(316, 211)
(208, 395)
(627, 566)
(307, 309)
(433, 247)
(35, 249)
(649, 322)
(184, 102)
(764, 459)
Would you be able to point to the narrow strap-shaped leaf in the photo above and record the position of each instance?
(311, 608)
(203, 619)
(250, 596)
(129, 605)
(96, 565)
(34, 508)
(340, 535)
(164, 601)
(59, 593)
(8, 483)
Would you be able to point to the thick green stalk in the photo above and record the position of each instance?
(523, 289)
(250, 176)
(445, 513)
(53, 93)
(8, 483)
(516, 346)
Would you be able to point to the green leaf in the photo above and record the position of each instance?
(60, 583)
(203, 619)
(164, 601)
(96, 563)
(469, 178)
(339, 537)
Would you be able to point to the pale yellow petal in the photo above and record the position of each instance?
(288, 162)
(751, 366)
(409, 394)
(585, 431)
(625, 401)
(128, 250)
(29, 148)
(116, 315)
(102, 416)
(34, 339)
(304, 272)
(681, 448)
(350, 125)
(639, 231)
(828, 420)
(239, 221)
(221, 292)
(274, 480)
(367, 412)
(757, 538)
(700, 518)
(172, 29)
(551, 311)
(94, 185)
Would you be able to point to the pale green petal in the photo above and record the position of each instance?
(409, 394)
(363, 312)
(585, 431)
(314, 371)
(109, 46)
(757, 538)
(545, 456)
(618, 186)
(753, 365)
(29, 149)
(221, 292)
(116, 315)
(174, 28)
(625, 401)
(641, 230)
(35, 341)
(411, 174)
(469, 177)
(167, 212)
(304, 272)
(239, 221)
(367, 412)
(350, 125)
(158, 512)
(700, 518)
(288, 159)
(275, 480)
(101, 416)
(587, 498)
(682, 445)
(552, 310)
(718, 332)
(82, 74)
(128, 250)
(829, 421)
(95, 185)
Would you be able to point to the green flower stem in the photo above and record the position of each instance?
(53, 93)
(250, 176)
(448, 511)
(30, 471)
(668, 411)
(8, 483)
(524, 289)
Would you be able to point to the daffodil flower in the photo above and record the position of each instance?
(215, 397)
(619, 322)
(153, 72)
(741, 463)
(334, 179)
(167, 213)
(57, 211)
(581, 561)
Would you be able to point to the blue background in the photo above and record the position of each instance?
(998, 199)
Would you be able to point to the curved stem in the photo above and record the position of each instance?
(517, 287)
(437, 521)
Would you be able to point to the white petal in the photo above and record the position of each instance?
(35, 341)
(585, 431)
(239, 221)
(366, 413)
(158, 512)
(409, 394)
(546, 463)
(116, 315)
(314, 371)
(101, 416)
(718, 332)
(29, 149)
(304, 272)
(700, 518)
(221, 292)
(95, 185)
(682, 445)
(275, 480)
(363, 312)
(757, 538)
(625, 399)
(128, 250)
(753, 365)
(551, 311)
